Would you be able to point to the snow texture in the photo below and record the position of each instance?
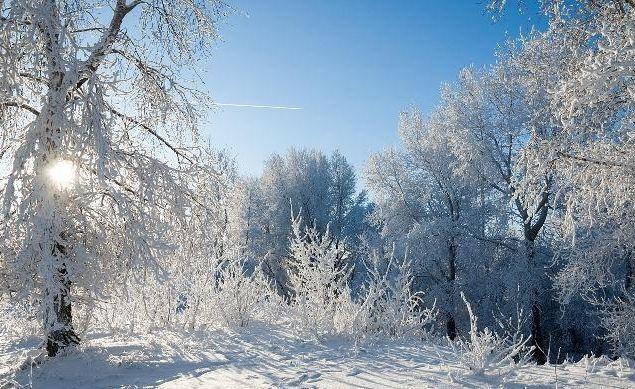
(267, 357)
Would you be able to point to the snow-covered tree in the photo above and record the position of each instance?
(424, 206)
(321, 189)
(591, 100)
(492, 114)
(97, 123)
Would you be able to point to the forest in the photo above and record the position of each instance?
(500, 228)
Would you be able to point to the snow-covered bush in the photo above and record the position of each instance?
(222, 294)
(240, 298)
(390, 307)
(619, 321)
(321, 188)
(321, 299)
(486, 350)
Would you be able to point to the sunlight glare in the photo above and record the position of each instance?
(62, 173)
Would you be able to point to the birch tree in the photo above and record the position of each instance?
(99, 127)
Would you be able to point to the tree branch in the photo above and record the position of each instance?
(151, 131)
(103, 47)
(20, 105)
(594, 161)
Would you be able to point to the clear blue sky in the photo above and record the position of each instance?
(351, 65)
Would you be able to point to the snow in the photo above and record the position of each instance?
(263, 356)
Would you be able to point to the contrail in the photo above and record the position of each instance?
(257, 106)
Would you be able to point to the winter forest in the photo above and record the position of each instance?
(492, 246)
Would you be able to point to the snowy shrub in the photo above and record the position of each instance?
(390, 307)
(143, 305)
(219, 294)
(322, 304)
(319, 281)
(240, 297)
(486, 350)
(619, 320)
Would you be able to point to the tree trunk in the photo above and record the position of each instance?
(451, 323)
(60, 333)
(451, 327)
(58, 316)
(630, 276)
(536, 333)
(532, 225)
(536, 328)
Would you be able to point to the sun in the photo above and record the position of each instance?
(62, 173)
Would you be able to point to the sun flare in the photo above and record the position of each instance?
(62, 173)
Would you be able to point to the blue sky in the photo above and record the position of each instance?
(351, 65)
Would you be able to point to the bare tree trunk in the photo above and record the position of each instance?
(450, 327)
(451, 323)
(630, 275)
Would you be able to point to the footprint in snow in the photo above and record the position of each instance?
(353, 372)
(314, 377)
(302, 378)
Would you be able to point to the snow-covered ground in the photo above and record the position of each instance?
(266, 357)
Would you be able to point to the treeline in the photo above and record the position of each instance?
(516, 190)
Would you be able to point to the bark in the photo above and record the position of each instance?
(59, 322)
(451, 327)
(630, 275)
(452, 250)
(532, 224)
(536, 327)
